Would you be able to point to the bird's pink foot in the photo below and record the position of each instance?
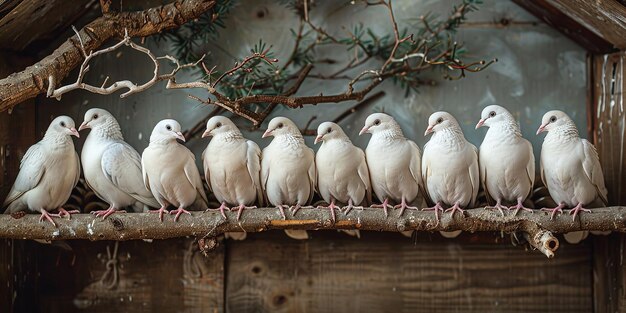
(404, 206)
(437, 208)
(222, 207)
(384, 205)
(63, 212)
(350, 207)
(48, 216)
(178, 212)
(295, 209)
(498, 207)
(553, 211)
(105, 213)
(332, 208)
(518, 207)
(280, 208)
(160, 211)
(240, 209)
(578, 208)
(454, 209)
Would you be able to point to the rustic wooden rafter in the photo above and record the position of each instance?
(598, 26)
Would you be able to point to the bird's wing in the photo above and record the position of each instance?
(207, 173)
(193, 176)
(364, 174)
(530, 167)
(144, 173)
(426, 175)
(121, 165)
(473, 174)
(415, 166)
(265, 172)
(253, 161)
(32, 169)
(77, 164)
(312, 173)
(593, 170)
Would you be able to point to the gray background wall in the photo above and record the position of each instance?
(538, 70)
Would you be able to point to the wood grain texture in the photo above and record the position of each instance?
(567, 25)
(610, 122)
(389, 273)
(607, 276)
(162, 276)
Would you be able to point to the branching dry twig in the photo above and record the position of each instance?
(538, 226)
(54, 68)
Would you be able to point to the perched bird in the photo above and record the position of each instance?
(393, 162)
(449, 166)
(570, 167)
(342, 173)
(232, 165)
(507, 163)
(170, 172)
(112, 168)
(49, 171)
(287, 167)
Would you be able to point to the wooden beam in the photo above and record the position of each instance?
(563, 16)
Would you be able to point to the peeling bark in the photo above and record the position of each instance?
(34, 80)
(537, 225)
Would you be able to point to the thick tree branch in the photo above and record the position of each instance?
(537, 226)
(54, 68)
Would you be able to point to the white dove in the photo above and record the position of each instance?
(570, 167)
(342, 173)
(287, 167)
(170, 172)
(507, 163)
(393, 162)
(112, 168)
(49, 171)
(232, 165)
(449, 166)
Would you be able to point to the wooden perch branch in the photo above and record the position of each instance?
(54, 68)
(537, 225)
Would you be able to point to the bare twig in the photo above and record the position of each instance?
(54, 68)
(131, 226)
(124, 84)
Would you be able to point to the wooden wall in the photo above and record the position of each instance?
(332, 272)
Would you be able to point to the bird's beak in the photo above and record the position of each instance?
(428, 130)
(364, 130)
(207, 133)
(180, 136)
(74, 132)
(319, 138)
(267, 133)
(84, 125)
(480, 124)
(541, 129)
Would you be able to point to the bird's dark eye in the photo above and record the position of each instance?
(218, 125)
(95, 116)
(62, 124)
(377, 122)
(329, 130)
(440, 120)
(168, 127)
(280, 125)
(552, 119)
(492, 114)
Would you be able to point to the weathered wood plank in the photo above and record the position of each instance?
(610, 122)
(568, 25)
(606, 272)
(162, 276)
(390, 273)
